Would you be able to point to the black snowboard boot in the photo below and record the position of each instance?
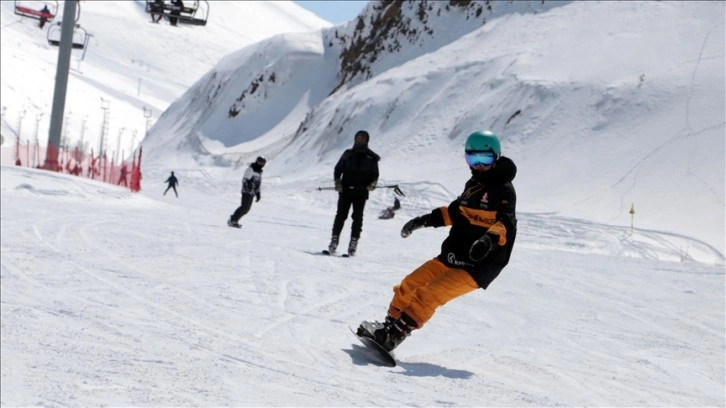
(333, 244)
(352, 246)
(367, 327)
(394, 332)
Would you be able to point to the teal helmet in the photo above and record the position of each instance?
(482, 148)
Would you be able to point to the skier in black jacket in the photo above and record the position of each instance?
(173, 182)
(355, 175)
(483, 228)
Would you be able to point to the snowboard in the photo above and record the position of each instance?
(383, 355)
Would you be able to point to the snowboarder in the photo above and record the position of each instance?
(173, 182)
(251, 183)
(483, 228)
(355, 174)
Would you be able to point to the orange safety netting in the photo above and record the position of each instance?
(123, 171)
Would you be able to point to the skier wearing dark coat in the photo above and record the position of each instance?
(483, 228)
(355, 174)
(44, 14)
(172, 184)
(251, 184)
(177, 7)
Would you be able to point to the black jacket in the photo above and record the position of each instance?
(172, 181)
(357, 169)
(487, 206)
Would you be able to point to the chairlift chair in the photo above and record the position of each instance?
(32, 9)
(80, 36)
(195, 14)
(151, 6)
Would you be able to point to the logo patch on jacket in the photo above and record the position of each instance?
(485, 198)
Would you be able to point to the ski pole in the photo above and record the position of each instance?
(395, 188)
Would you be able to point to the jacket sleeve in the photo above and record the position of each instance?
(338, 171)
(441, 217)
(375, 172)
(247, 181)
(506, 226)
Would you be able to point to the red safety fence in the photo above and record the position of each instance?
(124, 172)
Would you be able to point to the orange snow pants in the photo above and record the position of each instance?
(428, 287)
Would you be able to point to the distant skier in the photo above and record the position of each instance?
(173, 182)
(251, 184)
(483, 228)
(44, 14)
(122, 176)
(355, 174)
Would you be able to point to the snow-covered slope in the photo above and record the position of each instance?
(111, 298)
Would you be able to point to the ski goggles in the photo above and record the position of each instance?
(480, 158)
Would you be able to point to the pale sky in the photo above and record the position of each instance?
(336, 12)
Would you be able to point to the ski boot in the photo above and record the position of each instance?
(333, 244)
(232, 223)
(352, 246)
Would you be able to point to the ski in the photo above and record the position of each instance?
(326, 252)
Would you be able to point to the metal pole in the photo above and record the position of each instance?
(37, 127)
(133, 141)
(118, 145)
(105, 106)
(61, 85)
(64, 138)
(20, 122)
(632, 217)
(147, 114)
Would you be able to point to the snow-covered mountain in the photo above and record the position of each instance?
(636, 122)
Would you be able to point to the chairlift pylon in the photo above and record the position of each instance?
(33, 9)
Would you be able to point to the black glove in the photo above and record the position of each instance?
(371, 186)
(414, 224)
(258, 196)
(481, 248)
